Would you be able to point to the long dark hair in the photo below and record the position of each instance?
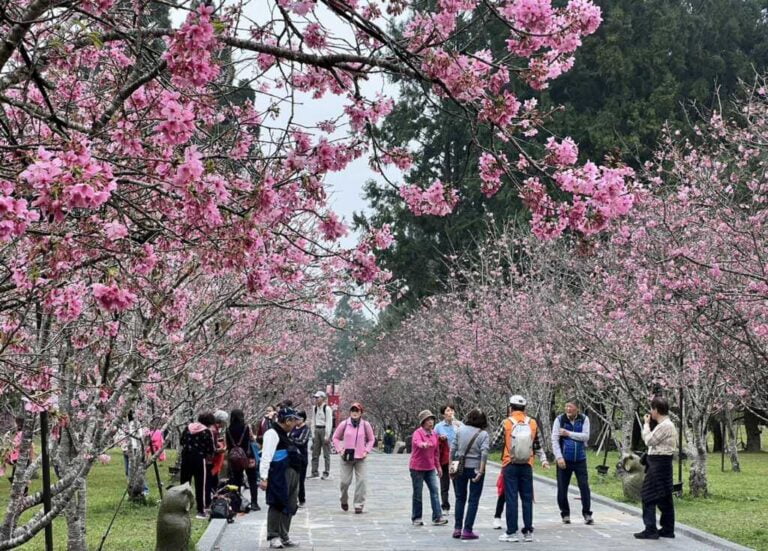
(237, 418)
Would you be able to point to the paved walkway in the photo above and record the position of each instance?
(386, 525)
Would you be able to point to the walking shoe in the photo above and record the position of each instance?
(345, 507)
(496, 523)
(302, 504)
(290, 543)
(667, 535)
(469, 535)
(645, 535)
(201, 516)
(313, 476)
(528, 537)
(439, 522)
(588, 520)
(276, 543)
(417, 522)
(325, 476)
(512, 538)
(255, 507)
(566, 519)
(457, 533)
(358, 510)
(446, 506)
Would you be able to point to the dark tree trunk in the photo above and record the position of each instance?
(717, 435)
(752, 425)
(637, 436)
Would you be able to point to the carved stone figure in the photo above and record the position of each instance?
(173, 523)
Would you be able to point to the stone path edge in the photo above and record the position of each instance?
(215, 530)
(212, 535)
(690, 531)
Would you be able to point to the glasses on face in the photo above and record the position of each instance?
(354, 410)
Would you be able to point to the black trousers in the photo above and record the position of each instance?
(236, 478)
(302, 480)
(579, 468)
(500, 501)
(445, 487)
(666, 505)
(195, 467)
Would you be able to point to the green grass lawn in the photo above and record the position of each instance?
(735, 510)
(134, 527)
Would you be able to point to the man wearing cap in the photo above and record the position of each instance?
(322, 424)
(353, 441)
(279, 470)
(522, 442)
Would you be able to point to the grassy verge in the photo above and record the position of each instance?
(735, 510)
(134, 527)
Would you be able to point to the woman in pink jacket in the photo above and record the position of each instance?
(425, 467)
(353, 440)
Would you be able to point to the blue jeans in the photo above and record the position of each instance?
(518, 479)
(419, 478)
(460, 484)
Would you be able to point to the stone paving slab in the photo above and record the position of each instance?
(385, 525)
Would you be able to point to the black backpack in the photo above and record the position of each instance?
(222, 508)
(238, 460)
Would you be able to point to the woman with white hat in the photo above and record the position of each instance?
(425, 468)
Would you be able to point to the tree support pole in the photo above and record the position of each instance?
(46, 478)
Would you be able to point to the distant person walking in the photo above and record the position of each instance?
(660, 435)
(353, 441)
(300, 436)
(425, 468)
(389, 439)
(469, 451)
(322, 425)
(238, 435)
(570, 434)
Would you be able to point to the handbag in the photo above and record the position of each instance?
(457, 466)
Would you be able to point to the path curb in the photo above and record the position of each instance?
(690, 531)
(212, 535)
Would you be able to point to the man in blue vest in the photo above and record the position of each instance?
(570, 434)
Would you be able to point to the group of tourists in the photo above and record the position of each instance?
(273, 456)
(451, 450)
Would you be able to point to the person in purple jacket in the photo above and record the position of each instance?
(353, 440)
(425, 468)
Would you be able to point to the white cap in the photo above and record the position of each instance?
(319, 394)
(517, 400)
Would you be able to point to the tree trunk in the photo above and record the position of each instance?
(752, 425)
(698, 458)
(627, 422)
(76, 514)
(637, 435)
(717, 435)
(545, 426)
(731, 448)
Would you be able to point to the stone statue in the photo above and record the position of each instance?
(632, 476)
(173, 523)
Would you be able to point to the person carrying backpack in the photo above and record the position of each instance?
(240, 456)
(521, 442)
(570, 434)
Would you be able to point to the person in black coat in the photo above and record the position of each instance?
(239, 434)
(197, 446)
(300, 436)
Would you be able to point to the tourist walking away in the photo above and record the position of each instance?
(570, 434)
(265, 423)
(242, 462)
(279, 471)
(469, 454)
(197, 446)
(522, 441)
(425, 469)
(446, 431)
(322, 425)
(353, 440)
(300, 437)
(389, 439)
(660, 435)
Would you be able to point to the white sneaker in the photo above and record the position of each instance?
(528, 537)
(276, 543)
(511, 538)
(497, 524)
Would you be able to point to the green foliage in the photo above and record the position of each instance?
(356, 328)
(651, 61)
(134, 527)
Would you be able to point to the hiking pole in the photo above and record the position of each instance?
(111, 522)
